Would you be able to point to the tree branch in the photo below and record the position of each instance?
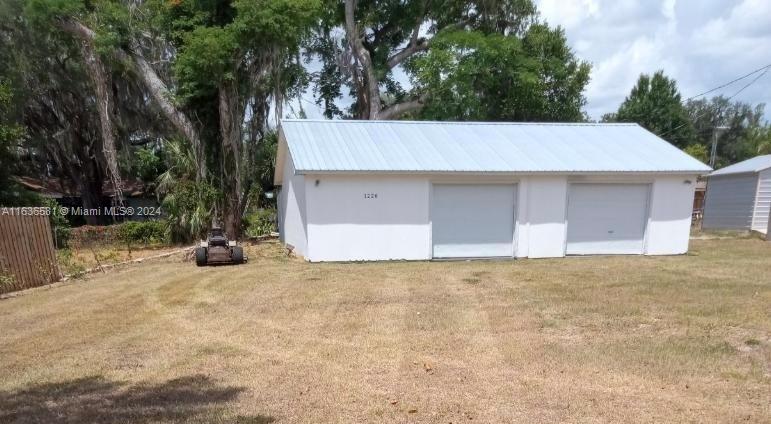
(163, 97)
(414, 47)
(155, 86)
(398, 109)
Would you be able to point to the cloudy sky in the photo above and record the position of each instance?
(700, 43)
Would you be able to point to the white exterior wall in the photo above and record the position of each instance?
(542, 230)
(762, 202)
(344, 223)
(669, 222)
(541, 218)
(292, 210)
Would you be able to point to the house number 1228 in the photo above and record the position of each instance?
(370, 195)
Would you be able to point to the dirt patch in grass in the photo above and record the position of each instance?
(604, 339)
(74, 261)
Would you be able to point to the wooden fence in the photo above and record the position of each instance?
(27, 253)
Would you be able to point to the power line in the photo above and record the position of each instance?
(764, 69)
(730, 82)
(749, 84)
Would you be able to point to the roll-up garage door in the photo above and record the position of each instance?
(473, 220)
(607, 218)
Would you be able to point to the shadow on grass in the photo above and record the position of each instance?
(96, 399)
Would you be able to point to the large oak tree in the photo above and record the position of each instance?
(481, 59)
(212, 68)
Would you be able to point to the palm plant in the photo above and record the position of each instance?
(188, 205)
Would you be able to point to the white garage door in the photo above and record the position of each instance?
(606, 218)
(472, 220)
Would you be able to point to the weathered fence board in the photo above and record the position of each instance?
(27, 253)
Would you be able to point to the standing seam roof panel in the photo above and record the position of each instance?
(419, 148)
(371, 152)
(451, 153)
(512, 155)
(539, 147)
(343, 158)
(382, 143)
(599, 149)
(589, 151)
(473, 156)
(403, 146)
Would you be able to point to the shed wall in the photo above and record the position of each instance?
(669, 223)
(730, 201)
(543, 222)
(762, 202)
(352, 218)
(345, 222)
(292, 210)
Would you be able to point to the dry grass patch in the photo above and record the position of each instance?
(602, 339)
(75, 261)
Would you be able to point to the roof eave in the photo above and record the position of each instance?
(450, 172)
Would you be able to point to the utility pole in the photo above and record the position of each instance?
(713, 153)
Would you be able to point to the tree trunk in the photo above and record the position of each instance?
(101, 80)
(92, 197)
(372, 92)
(230, 133)
(87, 174)
(365, 78)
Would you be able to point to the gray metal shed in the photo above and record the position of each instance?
(739, 196)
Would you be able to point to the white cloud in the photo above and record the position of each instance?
(668, 9)
(700, 43)
(568, 14)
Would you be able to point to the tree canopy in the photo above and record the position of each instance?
(469, 75)
(656, 104)
(739, 127)
(212, 71)
(11, 134)
(465, 60)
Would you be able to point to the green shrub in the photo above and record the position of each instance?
(143, 232)
(7, 282)
(260, 223)
(69, 264)
(60, 227)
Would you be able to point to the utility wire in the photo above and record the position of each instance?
(730, 82)
(764, 69)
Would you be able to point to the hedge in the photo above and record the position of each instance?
(131, 232)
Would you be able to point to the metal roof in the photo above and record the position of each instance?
(756, 164)
(420, 146)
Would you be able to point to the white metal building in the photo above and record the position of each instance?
(739, 196)
(379, 190)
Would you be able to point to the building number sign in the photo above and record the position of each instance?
(370, 195)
